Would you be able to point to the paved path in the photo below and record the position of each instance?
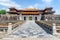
(30, 29)
(30, 39)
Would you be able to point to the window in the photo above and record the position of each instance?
(24, 18)
(35, 18)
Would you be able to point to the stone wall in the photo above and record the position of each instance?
(33, 17)
(9, 17)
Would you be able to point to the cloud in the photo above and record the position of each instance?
(9, 3)
(34, 6)
(4, 9)
(30, 6)
(4, 0)
(38, 6)
(47, 1)
(57, 12)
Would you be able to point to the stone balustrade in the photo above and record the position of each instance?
(30, 39)
(52, 17)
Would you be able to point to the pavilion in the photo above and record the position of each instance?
(31, 13)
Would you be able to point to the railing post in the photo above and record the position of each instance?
(46, 19)
(20, 17)
(54, 28)
(9, 27)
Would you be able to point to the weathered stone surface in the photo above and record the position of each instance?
(30, 29)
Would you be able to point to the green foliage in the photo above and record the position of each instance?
(2, 11)
(30, 18)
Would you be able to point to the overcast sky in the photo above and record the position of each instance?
(39, 4)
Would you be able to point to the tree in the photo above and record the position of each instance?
(2, 11)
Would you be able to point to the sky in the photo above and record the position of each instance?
(39, 4)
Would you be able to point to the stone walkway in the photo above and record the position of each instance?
(30, 39)
(30, 29)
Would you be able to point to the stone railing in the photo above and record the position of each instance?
(52, 17)
(9, 17)
(53, 38)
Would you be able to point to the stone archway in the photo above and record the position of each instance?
(30, 17)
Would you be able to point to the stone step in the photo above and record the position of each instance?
(30, 39)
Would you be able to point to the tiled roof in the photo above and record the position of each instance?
(31, 13)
